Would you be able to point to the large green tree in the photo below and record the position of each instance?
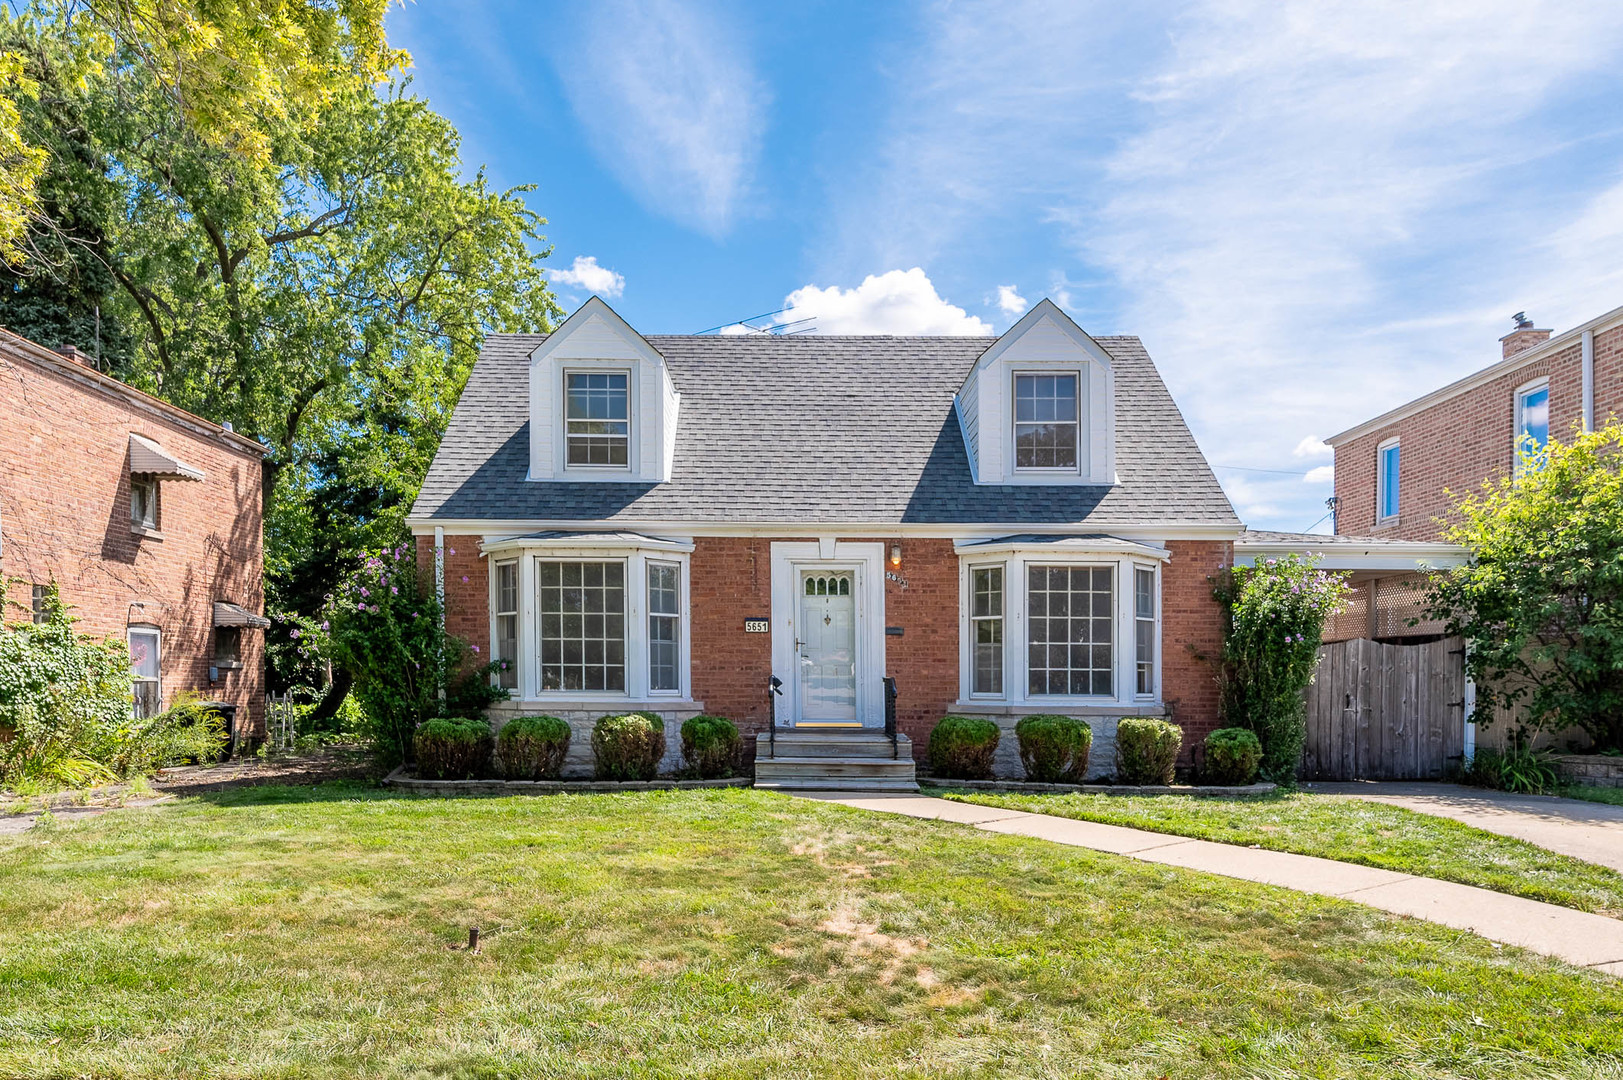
(1541, 601)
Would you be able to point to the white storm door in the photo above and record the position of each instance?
(826, 647)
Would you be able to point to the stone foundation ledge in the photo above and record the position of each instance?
(403, 781)
(1592, 770)
(1014, 787)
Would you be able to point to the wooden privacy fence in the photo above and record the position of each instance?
(1386, 712)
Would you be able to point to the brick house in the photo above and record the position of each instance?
(146, 518)
(1004, 526)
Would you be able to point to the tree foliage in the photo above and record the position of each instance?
(1541, 601)
(1274, 616)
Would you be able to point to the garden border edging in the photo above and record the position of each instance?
(401, 780)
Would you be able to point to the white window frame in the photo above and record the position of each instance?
(157, 635)
(497, 612)
(681, 624)
(1381, 517)
(1081, 423)
(633, 447)
(636, 553)
(1518, 415)
(1154, 570)
(971, 618)
(1016, 677)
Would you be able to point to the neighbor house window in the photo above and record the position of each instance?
(144, 658)
(597, 410)
(143, 502)
(1386, 480)
(1070, 611)
(583, 632)
(1532, 423)
(1144, 627)
(228, 646)
(37, 603)
(1045, 421)
(986, 622)
(507, 624)
(664, 626)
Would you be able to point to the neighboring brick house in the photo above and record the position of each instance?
(1004, 526)
(145, 517)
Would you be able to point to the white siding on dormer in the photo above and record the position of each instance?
(969, 417)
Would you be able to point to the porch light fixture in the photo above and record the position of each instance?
(895, 554)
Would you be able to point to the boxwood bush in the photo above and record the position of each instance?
(453, 749)
(712, 747)
(628, 746)
(533, 747)
(1232, 756)
(1146, 750)
(961, 747)
(1054, 749)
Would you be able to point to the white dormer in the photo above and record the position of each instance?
(1039, 407)
(602, 405)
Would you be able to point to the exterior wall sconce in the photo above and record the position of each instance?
(895, 554)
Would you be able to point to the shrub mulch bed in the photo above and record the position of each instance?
(1022, 787)
(402, 780)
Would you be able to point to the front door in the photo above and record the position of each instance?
(826, 648)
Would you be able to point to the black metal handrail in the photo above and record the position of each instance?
(890, 714)
(774, 690)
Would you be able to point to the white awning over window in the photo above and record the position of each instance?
(150, 459)
(228, 614)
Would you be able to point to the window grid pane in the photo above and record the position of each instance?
(1070, 632)
(1045, 421)
(1389, 482)
(582, 607)
(1144, 625)
(664, 626)
(986, 617)
(506, 651)
(597, 419)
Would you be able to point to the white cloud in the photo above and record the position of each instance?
(1312, 446)
(1324, 474)
(669, 99)
(586, 274)
(895, 302)
(1012, 303)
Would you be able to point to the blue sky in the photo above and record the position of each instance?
(1309, 212)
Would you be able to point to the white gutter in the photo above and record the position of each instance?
(1589, 380)
(423, 525)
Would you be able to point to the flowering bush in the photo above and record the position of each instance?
(1274, 616)
(383, 626)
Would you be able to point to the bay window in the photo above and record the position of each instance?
(1144, 629)
(583, 615)
(506, 637)
(664, 626)
(1069, 610)
(986, 621)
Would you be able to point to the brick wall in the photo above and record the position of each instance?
(1458, 443)
(1192, 634)
(65, 517)
(467, 588)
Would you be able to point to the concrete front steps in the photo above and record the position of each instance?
(835, 759)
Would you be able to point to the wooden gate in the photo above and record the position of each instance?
(1385, 712)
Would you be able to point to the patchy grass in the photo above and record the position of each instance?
(282, 932)
(1351, 830)
(1587, 793)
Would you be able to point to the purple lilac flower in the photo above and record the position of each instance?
(464, 579)
(453, 551)
(394, 591)
(324, 624)
(365, 591)
(296, 632)
(476, 649)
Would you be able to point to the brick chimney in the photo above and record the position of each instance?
(1524, 337)
(72, 353)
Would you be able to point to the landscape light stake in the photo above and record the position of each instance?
(473, 939)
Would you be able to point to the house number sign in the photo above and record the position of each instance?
(757, 626)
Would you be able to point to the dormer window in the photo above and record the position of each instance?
(597, 411)
(1045, 422)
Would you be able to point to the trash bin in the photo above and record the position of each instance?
(227, 712)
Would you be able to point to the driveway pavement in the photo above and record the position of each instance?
(1585, 830)
(1577, 937)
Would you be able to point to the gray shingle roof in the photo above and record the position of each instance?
(807, 429)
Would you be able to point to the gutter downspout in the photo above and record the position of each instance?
(439, 580)
(1589, 380)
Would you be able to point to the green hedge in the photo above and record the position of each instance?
(1054, 749)
(533, 747)
(628, 746)
(961, 747)
(1146, 750)
(1232, 756)
(454, 749)
(712, 747)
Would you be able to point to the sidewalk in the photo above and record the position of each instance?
(1577, 937)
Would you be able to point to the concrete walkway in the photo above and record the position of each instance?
(1577, 937)
(1585, 830)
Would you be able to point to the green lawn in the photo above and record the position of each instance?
(314, 932)
(1351, 830)
(1593, 794)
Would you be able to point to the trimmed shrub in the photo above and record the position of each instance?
(961, 747)
(454, 749)
(628, 746)
(712, 747)
(1232, 756)
(1054, 749)
(1146, 750)
(533, 747)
